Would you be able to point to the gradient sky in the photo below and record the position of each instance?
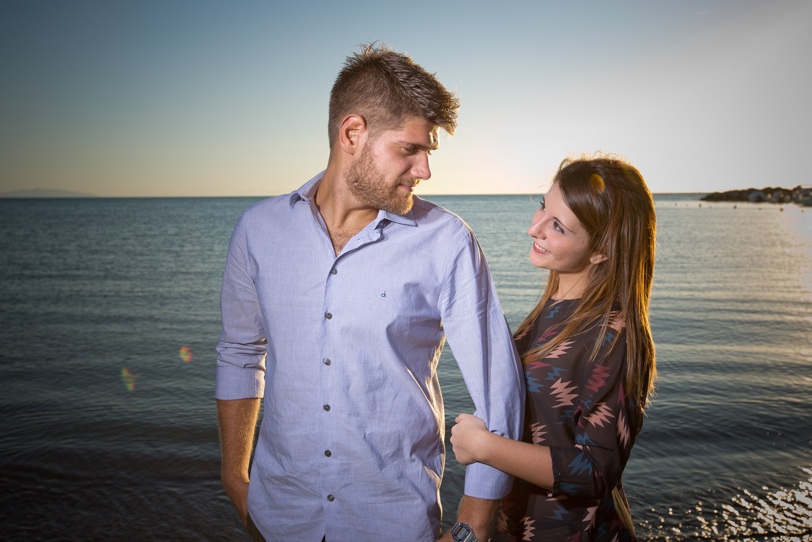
(218, 98)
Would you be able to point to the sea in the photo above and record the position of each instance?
(109, 318)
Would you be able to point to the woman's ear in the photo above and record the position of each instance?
(352, 133)
(596, 258)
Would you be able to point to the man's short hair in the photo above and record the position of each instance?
(386, 88)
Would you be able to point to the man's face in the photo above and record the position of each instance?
(388, 167)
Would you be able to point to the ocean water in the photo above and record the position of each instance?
(109, 317)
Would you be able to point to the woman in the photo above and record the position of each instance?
(588, 357)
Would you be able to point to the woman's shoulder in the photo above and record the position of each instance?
(557, 314)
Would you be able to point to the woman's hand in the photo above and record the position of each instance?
(468, 439)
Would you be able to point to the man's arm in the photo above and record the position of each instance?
(478, 514)
(480, 339)
(238, 420)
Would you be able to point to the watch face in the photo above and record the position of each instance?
(460, 531)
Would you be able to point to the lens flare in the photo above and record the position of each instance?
(128, 377)
(186, 354)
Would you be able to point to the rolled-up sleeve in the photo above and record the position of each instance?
(242, 346)
(483, 347)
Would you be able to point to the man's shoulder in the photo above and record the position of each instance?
(267, 208)
(428, 213)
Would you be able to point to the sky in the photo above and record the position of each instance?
(177, 98)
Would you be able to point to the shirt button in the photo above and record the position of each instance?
(327, 408)
(327, 361)
(333, 271)
(330, 498)
(328, 315)
(328, 453)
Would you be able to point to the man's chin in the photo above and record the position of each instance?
(401, 206)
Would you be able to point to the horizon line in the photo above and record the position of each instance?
(28, 195)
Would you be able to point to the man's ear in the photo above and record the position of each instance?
(352, 133)
(596, 258)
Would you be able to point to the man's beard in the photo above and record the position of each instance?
(370, 187)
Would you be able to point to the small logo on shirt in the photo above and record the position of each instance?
(383, 294)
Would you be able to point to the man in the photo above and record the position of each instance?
(336, 302)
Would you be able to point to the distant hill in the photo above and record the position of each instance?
(45, 193)
(770, 194)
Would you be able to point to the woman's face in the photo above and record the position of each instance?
(560, 242)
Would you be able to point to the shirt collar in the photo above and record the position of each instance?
(308, 190)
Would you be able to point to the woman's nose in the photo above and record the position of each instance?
(536, 228)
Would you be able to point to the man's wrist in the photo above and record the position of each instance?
(462, 532)
(478, 514)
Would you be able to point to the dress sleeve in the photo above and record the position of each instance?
(243, 344)
(601, 425)
(483, 347)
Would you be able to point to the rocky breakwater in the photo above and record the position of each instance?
(799, 194)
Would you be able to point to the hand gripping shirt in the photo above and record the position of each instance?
(345, 351)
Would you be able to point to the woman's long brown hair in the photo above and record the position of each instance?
(613, 203)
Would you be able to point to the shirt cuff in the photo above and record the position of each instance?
(239, 383)
(485, 482)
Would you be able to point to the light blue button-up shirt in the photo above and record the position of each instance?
(345, 351)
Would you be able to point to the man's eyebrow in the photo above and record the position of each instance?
(417, 146)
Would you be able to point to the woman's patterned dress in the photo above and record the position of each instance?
(580, 410)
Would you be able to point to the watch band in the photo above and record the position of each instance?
(462, 532)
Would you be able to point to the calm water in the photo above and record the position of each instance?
(108, 432)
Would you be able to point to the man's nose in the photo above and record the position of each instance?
(421, 169)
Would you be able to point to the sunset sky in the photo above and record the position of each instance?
(217, 98)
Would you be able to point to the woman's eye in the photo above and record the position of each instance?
(541, 204)
(558, 227)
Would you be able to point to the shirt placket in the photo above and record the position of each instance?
(334, 366)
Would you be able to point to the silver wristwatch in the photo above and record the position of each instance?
(462, 532)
